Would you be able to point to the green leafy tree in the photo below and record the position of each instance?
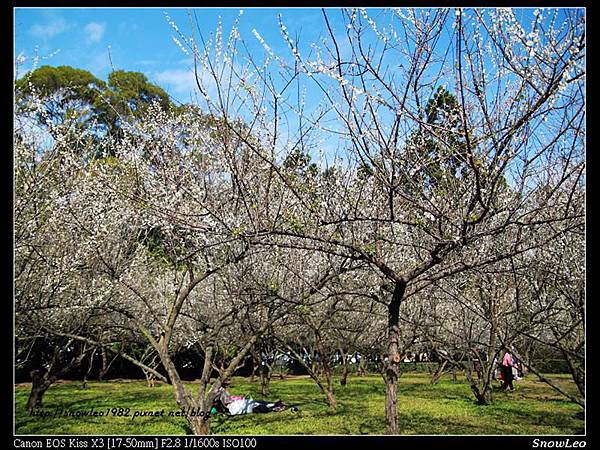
(66, 91)
(96, 105)
(441, 148)
(128, 95)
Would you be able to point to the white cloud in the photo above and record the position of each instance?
(181, 80)
(50, 29)
(94, 31)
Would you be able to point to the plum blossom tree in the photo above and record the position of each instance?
(60, 305)
(516, 125)
(443, 162)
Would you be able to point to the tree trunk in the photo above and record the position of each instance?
(255, 360)
(329, 391)
(282, 373)
(439, 372)
(150, 378)
(361, 366)
(39, 386)
(89, 370)
(391, 413)
(200, 425)
(35, 397)
(265, 378)
(483, 395)
(344, 379)
(331, 400)
(391, 373)
(577, 370)
(104, 367)
(326, 390)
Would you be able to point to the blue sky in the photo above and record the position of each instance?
(141, 39)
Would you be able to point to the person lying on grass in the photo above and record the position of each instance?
(236, 404)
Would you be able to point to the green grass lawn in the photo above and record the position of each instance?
(445, 408)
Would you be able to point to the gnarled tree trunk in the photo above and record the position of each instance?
(265, 379)
(39, 386)
(435, 377)
(392, 368)
(344, 377)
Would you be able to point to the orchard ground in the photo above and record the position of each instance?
(445, 408)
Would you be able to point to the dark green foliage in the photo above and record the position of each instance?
(69, 91)
(552, 365)
(297, 161)
(128, 95)
(157, 247)
(365, 171)
(77, 83)
(439, 148)
(442, 108)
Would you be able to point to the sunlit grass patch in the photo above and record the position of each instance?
(445, 408)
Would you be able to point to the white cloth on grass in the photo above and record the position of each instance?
(244, 406)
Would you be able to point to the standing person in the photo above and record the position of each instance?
(508, 363)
